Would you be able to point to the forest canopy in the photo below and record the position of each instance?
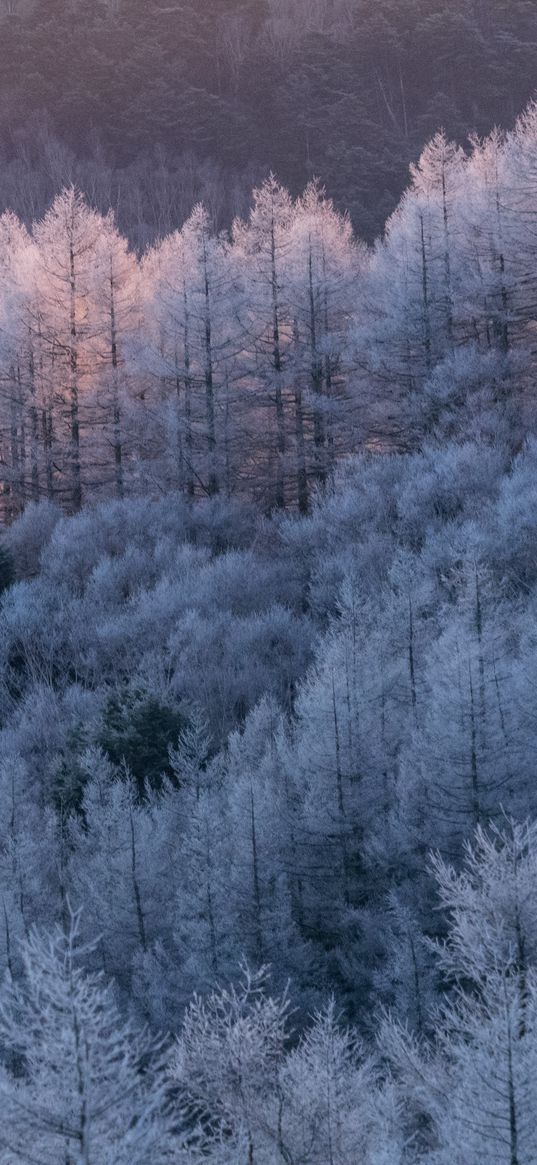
(245, 363)
(268, 583)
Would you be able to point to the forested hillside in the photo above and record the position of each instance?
(150, 106)
(268, 602)
(226, 741)
(267, 664)
(246, 363)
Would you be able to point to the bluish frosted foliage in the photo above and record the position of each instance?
(267, 728)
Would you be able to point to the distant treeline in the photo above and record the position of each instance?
(150, 107)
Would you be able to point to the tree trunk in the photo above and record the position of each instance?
(118, 441)
(74, 402)
(209, 379)
(277, 362)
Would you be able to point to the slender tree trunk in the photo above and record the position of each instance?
(34, 429)
(300, 442)
(447, 260)
(74, 403)
(340, 796)
(505, 337)
(514, 1158)
(255, 880)
(319, 436)
(210, 906)
(411, 659)
(328, 371)
(14, 474)
(181, 466)
(277, 363)
(425, 294)
(136, 889)
(7, 932)
(83, 1130)
(189, 444)
(301, 473)
(417, 984)
(118, 440)
(21, 414)
(474, 771)
(209, 379)
(47, 425)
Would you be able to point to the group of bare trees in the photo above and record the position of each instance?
(246, 362)
(213, 364)
(66, 301)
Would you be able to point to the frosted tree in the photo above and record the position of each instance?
(190, 759)
(395, 325)
(407, 303)
(192, 349)
(352, 712)
(16, 900)
(322, 267)
(81, 1086)
(491, 905)
(487, 274)
(516, 213)
(226, 1065)
(492, 1093)
(438, 178)
(260, 899)
(66, 241)
(19, 419)
(119, 868)
(168, 347)
(247, 1096)
(333, 1108)
(462, 760)
(115, 289)
(262, 247)
(204, 939)
(33, 856)
(472, 1088)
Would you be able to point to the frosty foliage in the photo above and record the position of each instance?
(242, 364)
(268, 861)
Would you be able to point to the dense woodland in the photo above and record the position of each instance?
(151, 106)
(268, 575)
(267, 664)
(244, 364)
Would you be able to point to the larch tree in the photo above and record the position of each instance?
(120, 876)
(226, 1064)
(81, 1086)
(437, 178)
(471, 1087)
(262, 246)
(67, 240)
(461, 764)
(167, 355)
(115, 290)
(19, 418)
(192, 351)
(322, 267)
